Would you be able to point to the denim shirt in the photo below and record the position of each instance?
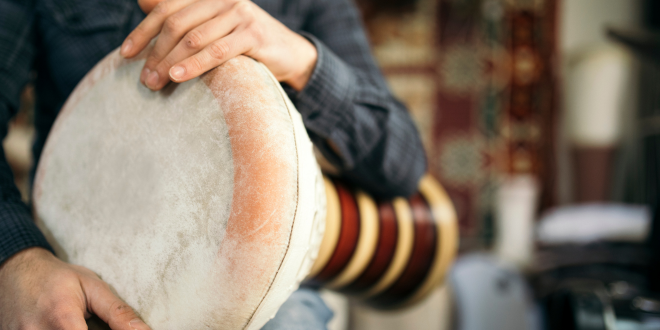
(346, 102)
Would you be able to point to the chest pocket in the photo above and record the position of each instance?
(87, 16)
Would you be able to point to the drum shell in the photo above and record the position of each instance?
(387, 253)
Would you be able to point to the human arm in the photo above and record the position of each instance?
(349, 111)
(17, 230)
(347, 108)
(38, 291)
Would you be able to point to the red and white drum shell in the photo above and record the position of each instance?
(389, 253)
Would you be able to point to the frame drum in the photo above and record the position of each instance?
(203, 206)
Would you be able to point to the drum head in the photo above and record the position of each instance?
(201, 205)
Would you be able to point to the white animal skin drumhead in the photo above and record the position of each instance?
(201, 205)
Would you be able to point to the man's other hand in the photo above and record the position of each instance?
(39, 291)
(195, 36)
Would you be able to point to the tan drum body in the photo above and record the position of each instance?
(202, 205)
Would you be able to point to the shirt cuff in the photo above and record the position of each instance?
(325, 103)
(18, 231)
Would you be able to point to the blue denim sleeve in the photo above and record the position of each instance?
(303, 310)
(348, 110)
(17, 51)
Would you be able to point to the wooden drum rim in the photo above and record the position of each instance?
(332, 229)
(402, 250)
(447, 226)
(367, 241)
(421, 259)
(384, 253)
(348, 236)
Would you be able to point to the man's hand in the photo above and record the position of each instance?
(199, 35)
(39, 291)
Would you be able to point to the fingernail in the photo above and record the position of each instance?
(126, 47)
(152, 79)
(136, 324)
(144, 74)
(177, 72)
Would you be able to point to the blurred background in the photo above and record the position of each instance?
(541, 119)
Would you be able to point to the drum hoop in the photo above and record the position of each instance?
(332, 229)
(304, 249)
(447, 247)
(404, 247)
(367, 242)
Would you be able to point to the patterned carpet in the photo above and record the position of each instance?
(479, 77)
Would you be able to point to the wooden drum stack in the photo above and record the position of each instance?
(389, 253)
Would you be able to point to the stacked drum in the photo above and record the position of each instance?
(391, 253)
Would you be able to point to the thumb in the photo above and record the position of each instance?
(112, 310)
